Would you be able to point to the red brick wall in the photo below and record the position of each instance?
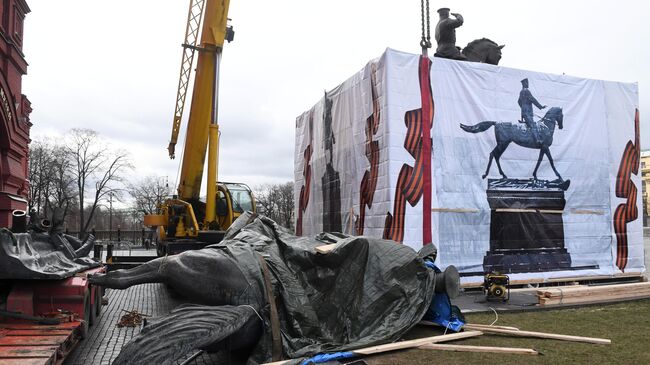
(14, 111)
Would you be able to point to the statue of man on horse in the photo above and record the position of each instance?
(479, 50)
(446, 35)
(507, 133)
(526, 101)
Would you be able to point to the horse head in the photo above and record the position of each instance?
(483, 50)
(555, 115)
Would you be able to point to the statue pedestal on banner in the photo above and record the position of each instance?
(526, 227)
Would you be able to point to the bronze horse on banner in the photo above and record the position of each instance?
(506, 133)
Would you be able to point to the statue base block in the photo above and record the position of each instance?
(526, 227)
(518, 261)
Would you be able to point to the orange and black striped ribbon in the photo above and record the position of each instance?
(414, 182)
(625, 188)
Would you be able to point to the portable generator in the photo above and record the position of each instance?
(497, 287)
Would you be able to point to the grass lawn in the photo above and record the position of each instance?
(626, 324)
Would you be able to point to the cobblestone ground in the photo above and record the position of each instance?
(106, 339)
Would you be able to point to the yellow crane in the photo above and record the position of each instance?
(185, 222)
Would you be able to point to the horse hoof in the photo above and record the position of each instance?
(484, 176)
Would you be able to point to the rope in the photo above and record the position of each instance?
(497, 316)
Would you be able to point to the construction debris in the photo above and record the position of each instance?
(131, 319)
(581, 294)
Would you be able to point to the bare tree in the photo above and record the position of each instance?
(94, 162)
(51, 182)
(149, 193)
(62, 193)
(276, 202)
(40, 162)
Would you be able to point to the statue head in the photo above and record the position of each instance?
(444, 13)
(524, 83)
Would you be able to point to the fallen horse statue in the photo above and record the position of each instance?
(266, 291)
(41, 250)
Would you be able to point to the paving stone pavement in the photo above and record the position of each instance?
(105, 340)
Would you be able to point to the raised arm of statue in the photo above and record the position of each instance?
(458, 21)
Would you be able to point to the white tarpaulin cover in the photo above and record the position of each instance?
(360, 166)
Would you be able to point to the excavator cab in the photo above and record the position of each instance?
(233, 199)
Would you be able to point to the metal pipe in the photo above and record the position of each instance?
(19, 221)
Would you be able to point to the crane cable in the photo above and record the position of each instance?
(425, 42)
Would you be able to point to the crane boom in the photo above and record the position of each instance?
(194, 17)
(184, 221)
(204, 99)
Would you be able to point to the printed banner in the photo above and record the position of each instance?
(531, 174)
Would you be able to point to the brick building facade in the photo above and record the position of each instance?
(14, 111)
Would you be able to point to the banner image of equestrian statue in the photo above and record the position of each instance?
(531, 174)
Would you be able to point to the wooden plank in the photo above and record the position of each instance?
(455, 210)
(415, 343)
(489, 349)
(553, 336)
(37, 361)
(590, 299)
(478, 327)
(32, 340)
(564, 279)
(528, 210)
(25, 326)
(402, 344)
(17, 352)
(585, 290)
(325, 248)
(595, 277)
(470, 326)
(604, 294)
(39, 332)
(587, 211)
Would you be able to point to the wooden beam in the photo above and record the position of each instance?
(522, 210)
(587, 211)
(455, 210)
(490, 349)
(402, 344)
(415, 343)
(553, 336)
(470, 326)
(479, 327)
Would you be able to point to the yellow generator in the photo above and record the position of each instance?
(496, 287)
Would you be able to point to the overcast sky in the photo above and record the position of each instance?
(112, 66)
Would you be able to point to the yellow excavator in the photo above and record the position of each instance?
(185, 222)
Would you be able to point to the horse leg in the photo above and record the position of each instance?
(487, 171)
(148, 272)
(539, 161)
(550, 159)
(499, 151)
